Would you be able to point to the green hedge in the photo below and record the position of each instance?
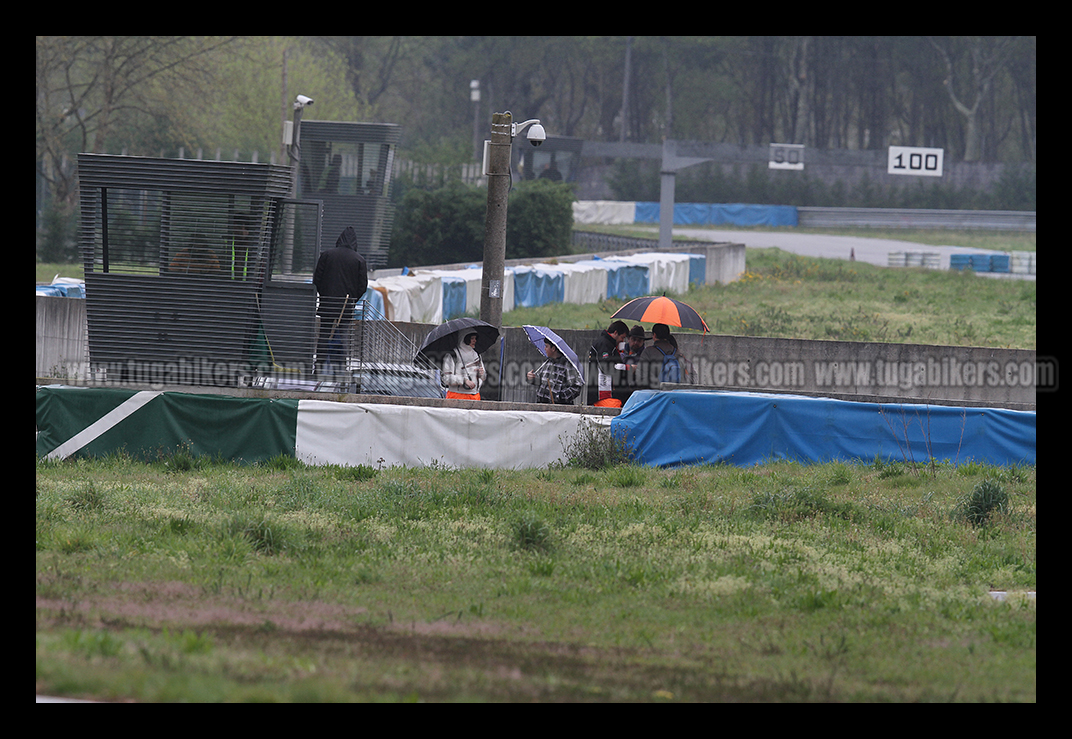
(446, 225)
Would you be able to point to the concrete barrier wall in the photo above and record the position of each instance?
(847, 370)
(1000, 378)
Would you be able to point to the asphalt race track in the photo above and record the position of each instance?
(872, 251)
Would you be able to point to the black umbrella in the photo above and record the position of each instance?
(444, 337)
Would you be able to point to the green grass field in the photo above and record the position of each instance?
(784, 295)
(190, 581)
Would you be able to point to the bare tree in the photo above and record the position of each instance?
(987, 57)
(370, 62)
(84, 83)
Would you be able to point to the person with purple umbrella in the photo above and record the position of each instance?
(557, 381)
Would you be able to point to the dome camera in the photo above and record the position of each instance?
(536, 135)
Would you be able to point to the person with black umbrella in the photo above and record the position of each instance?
(456, 346)
(463, 370)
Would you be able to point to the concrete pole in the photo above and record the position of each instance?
(491, 283)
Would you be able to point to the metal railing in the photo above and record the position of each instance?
(996, 220)
(593, 241)
(377, 359)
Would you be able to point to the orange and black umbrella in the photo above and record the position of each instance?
(661, 309)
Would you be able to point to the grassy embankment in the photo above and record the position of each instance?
(783, 295)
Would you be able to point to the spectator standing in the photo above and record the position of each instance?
(341, 279)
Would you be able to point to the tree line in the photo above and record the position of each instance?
(974, 96)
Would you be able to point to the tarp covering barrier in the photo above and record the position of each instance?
(666, 272)
(461, 292)
(682, 427)
(581, 282)
(536, 285)
(604, 211)
(96, 422)
(397, 435)
(717, 214)
(150, 425)
(666, 429)
(417, 297)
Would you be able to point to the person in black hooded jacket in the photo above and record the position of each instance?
(341, 278)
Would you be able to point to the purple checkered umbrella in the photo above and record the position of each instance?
(537, 335)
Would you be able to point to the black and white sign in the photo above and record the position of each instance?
(915, 160)
(786, 156)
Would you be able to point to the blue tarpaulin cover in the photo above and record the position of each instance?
(536, 286)
(627, 281)
(375, 302)
(684, 427)
(697, 270)
(454, 297)
(737, 214)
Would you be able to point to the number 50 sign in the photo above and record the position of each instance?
(914, 160)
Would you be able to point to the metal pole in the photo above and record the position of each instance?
(295, 151)
(491, 282)
(478, 140)
(666, 196)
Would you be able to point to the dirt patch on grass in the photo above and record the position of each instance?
(181, 605)
(176, 604)
(507, 656)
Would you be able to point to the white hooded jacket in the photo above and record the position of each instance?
(461, 364)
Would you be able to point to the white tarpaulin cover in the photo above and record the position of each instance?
(582, 282)
(414, 436)
(471, 278)
(604, 211)
(666, 272)
(417, 298)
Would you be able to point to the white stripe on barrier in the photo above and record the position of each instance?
(102, 424)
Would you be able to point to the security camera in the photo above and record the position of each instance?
(302, 101)
(536, 135)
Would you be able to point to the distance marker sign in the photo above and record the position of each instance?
(786, 156)
(915, 160)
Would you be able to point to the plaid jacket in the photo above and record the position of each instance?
(559, 378)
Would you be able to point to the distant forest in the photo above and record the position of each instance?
(974, 96)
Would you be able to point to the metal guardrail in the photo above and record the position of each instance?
(593, 241)
(997, 220)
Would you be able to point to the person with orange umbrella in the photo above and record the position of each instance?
(661, 362)
(661, 358)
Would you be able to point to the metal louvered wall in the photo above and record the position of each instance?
(200, 272)
(348, 167)
(196, 272)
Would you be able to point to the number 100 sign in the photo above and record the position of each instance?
(914, 160)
